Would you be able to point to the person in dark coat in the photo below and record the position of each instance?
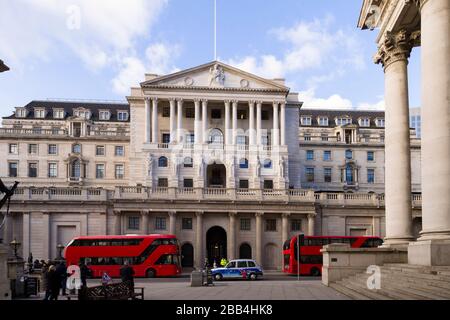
(85, 272)
(44, 277)
(54, 282)
(127, 274)
(61, 269)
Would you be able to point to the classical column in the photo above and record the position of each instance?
(145, 215)
(283, 123)
(258, 122)
(117, 222)
(205, 121)
(46, 236)
(275, 130)
(227, 122)
(172, 222)
(155, 137)
(251, 123)
(258, 251)
(173, 121)
(26, 232)
(394, 54)
(197, 123)
(285, 227)
(147, 120)
(198, 251)
(232, 236)
(435, 33)
(180, 120)
(234, 122)
(311, 226)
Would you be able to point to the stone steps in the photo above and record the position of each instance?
(348, 291)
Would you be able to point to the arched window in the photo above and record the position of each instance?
(76, 169)
(162, 162)
(215, 136)
(243, 163)
(188, 162)
(349, 174)
(267, 164)
(348, 154)
(76, 148)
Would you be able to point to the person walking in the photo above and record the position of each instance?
(127, 274)
(54, 282)
(44, 279)
(61, 269)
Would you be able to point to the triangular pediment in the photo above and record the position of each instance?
(215, 75)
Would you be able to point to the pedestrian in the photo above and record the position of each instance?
(84, 274)
(44, 279)
(127, 274)
(61, 269)
(54, 282)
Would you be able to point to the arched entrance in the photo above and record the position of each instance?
(187, 255)
(216, 176)
(216, 245)
(245, 251)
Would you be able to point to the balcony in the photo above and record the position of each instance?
(13, 132)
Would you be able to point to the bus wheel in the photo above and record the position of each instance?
(253, 276)
(217, 277)
(315, 272)
(151, 273)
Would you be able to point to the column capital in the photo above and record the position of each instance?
(172, 213)
(145, 212)
(285, 214)
(227, 101)
(204, 100)
(172, 99)
(235, 102)
(117, 212)
(197, 100)
(251, 103)
(259, 102)
(259, 214)
(199, 213)
(154, 99)
(396, 47)
(311, 215)
(147, 99)
(180, 100)
(275, 103)
(232, 214)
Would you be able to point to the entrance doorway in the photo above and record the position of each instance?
(216, 176)
(187, 255)
(216, 245)
(245, 251)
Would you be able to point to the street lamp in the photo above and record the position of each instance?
(60, 248)
(15, 245)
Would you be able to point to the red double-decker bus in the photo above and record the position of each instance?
(310, 255)
(150, 255)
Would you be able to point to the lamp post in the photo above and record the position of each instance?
(60, 248)
(15, 245)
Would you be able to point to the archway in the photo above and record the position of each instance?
(245, 251)
(216, 176)
(187, 255)
(216, 245)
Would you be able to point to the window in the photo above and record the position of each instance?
(271, 225)
(104, 115)
(162, 162)
(58, 113)
(343, 121)
(267, 164)
(370, 156)
(370, 175)
(243, 184)
(305, 121)
(242, 114)
(37, 130)
(186, 223)
(268, 184)
(166, 112)
(364, 122)
(190, 138)
(100, 150)
(327, 155)
(119, 171)
(323, 121)
(33, 149)
(21, 113)
(348, 154)
(39, 113)
(264, 115)
(327, 174)
(52, 170)
(133, 223)
(122, 116)
(12, 169)
(188, 162)
(163, 182)
(32, 170)
(100, 171)
(310, 174)
(76, 148)
(242, 140)
(188, 183)
(265, 140)
(160, 223)
(245, 224)
(243, 163)
(75, 169)
(309, 154)
(52, 149)
(307, 137)
(349, 178)
(189, 113)
(13, 148)
(380, 122)
(119, 151)
(216, 114)
(296, 225)
(166, 138)
(324, 137)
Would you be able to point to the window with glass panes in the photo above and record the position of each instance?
(296, 225)
(186, 223)
(327, 155)
(160, 223)
(370, 175)
(12, 169)
(268, 184)
(188, 183)
(245, 224)
(163, 182)
(119, 151)
(133, 222)
(13, 148)
(32, 170)
(100, 150)
(32, 148)
(309, 154)
(166, 138)
(271, 225)
(310, 174)
(166, 112)
(243, 184)
(52, 170)
(119, 171)
(100, 171)
(52, 149)
(370, 156)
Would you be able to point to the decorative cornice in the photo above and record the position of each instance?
(270, 90)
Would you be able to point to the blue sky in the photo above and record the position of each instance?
(97, 49)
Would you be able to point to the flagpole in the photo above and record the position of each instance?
(215, 29)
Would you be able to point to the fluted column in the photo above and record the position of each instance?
(232, 236)
(234, 122)
(311, 225)
(251, 123)
(173, 125)
(145, 215)
(283, 123)
(258, 122)
(205, 121)
(148, 125)
(155, 137)
(227, 123)
(275, 130)
(197, 123)
(394, 54)
(259, 228)
(172, 222)
(198, 251)
(180, 120)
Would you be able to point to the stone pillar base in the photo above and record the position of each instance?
(5, 291)
(429, 253)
